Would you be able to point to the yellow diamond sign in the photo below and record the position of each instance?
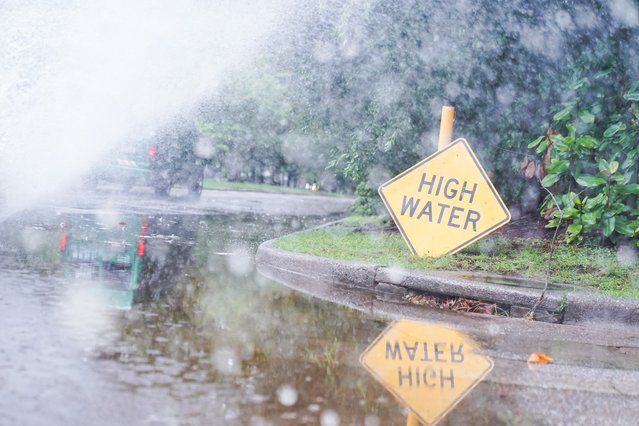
(445, 202)
(429, 368)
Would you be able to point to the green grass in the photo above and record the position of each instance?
(258, 187)
(588, 266)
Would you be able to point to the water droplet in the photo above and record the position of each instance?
(372, 420)
(329, 418)
(226, 361)
(626, 255)
(625, 12)
(240, 261)
(287, 395)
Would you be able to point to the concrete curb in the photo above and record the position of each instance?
(565, 304)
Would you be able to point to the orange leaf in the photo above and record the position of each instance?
(530, 170)
(539, 358)
(548, 213)
(524, 164)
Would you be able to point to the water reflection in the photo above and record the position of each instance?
(205, 339)
(594, 370)
(126, 258)
(211, 341)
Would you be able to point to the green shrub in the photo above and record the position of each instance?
(367, 202)
(590, 155)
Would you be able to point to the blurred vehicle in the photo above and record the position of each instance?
(162, 162)
(127, 259)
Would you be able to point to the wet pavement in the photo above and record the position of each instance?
(196, 337)
(128, 309)
(592, 380)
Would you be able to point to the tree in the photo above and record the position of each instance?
(364, 81)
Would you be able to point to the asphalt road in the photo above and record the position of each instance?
(142, 200)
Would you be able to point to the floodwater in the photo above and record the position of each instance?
(206, 340)
(150, 312)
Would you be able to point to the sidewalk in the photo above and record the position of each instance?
(563, 304)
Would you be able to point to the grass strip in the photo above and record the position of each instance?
(596, 268)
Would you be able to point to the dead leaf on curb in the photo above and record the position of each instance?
(539, 358)
(458, 304)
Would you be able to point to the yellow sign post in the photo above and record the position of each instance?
(445, 202)
(429, 368)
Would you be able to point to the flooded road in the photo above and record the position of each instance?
(116, 313)
(136, 310)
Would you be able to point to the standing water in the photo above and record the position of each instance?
(150, 312)
(98, 329)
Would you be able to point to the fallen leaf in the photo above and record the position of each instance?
(549, 132)
(530, 170)
(548, 213)
(539, 358)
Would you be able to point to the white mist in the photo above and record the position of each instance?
(78, 77)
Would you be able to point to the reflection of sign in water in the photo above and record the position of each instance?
(445, 202)
(429, 368)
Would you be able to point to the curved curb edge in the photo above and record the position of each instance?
(576, 307)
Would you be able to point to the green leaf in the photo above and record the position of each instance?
(622, 179)
(631, 96)
(608, 226)
(589, 219)
(631, 159)
(571, 199)
(564, 113)
(607, 168)
(579, 84)
(631, 188)
(556, 214)
(570, 212)
(558, 166)
(587, 142)
(561, 143)
(542, 146)
(552, 223)
(550, 179)
(574, 229)
(598, 201)
(586, 116)
(536, 142)
(614, 166)
(601, 74)
(617, 208)
(624, 227)
(590, 181)
(612, 130)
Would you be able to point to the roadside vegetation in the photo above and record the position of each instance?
(546, 92)
(605, 269)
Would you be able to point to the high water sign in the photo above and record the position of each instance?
(429, 368)
(445, 202)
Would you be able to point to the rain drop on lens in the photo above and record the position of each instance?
(287, 395)
(329, 418)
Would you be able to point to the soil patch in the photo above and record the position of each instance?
(527, 226)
